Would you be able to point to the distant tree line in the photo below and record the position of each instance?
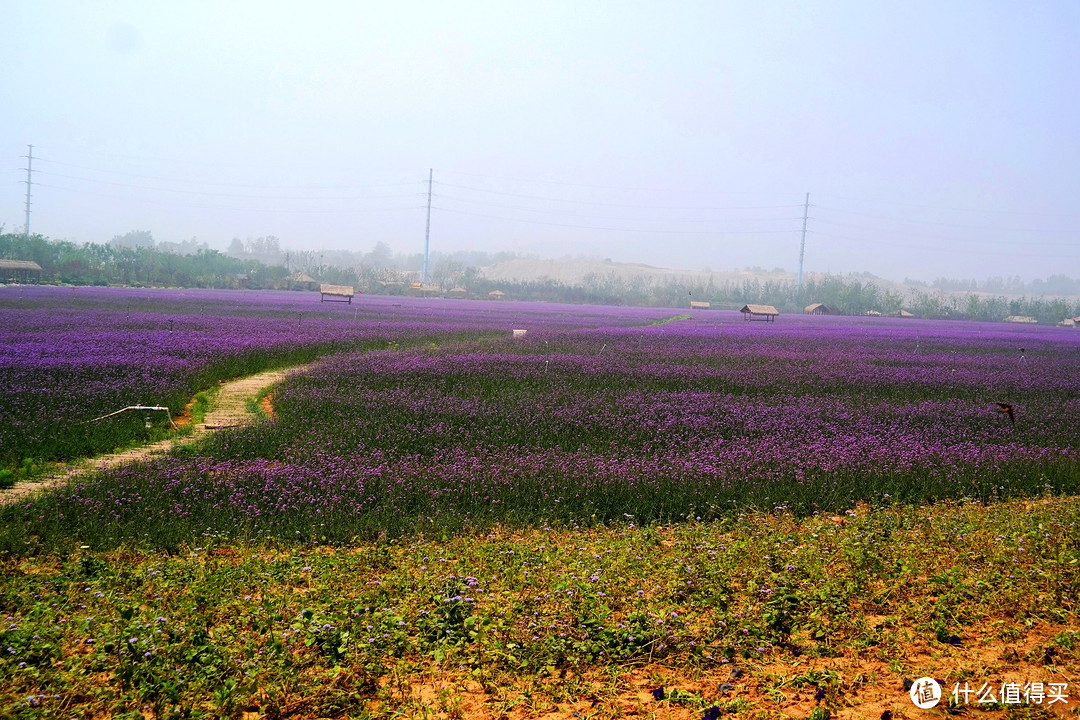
(136, 259)
(131, 260)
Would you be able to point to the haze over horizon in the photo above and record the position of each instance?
(934, 139)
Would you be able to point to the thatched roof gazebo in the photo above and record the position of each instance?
(759, 312)
(19, 271)
(302, 281)
(497, 294)
(819, 309)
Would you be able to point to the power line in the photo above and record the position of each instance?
(534, 181)
(174, 203)
(947, 208)
(233, 195)
(626, 205)
(617, 229)
(934, 248)
(532, 208)
(940, 224)
(366, 186)
(924, 236)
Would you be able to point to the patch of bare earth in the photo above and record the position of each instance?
(267, 405)
(868, 690)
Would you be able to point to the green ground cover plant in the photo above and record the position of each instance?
(820, 612)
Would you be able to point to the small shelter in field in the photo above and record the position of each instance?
(1068, 322)
(904, 313)
(458, 292)
(336, 293)
(699, 305)
(873, 313)
(759, 312)
(23, 272)
(302, 281)
(819, 309)
(1022, 319)
(496, 294)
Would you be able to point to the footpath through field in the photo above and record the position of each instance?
(229, 409)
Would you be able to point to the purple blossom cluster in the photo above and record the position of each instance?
(604, 414)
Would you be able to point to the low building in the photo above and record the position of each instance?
(766, 313)
(1026, 319)
(496, 294)
(699, 305)
(819, 309)
(873, 313)
(21, 272)
(302, 281)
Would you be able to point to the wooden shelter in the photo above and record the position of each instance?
(759, 312)
(20, 271)
(336, 293)
(1022, 319)
(302, 281)
(497, 294)
(819, 309)
(873, 313)
(904, 313)
(699, 305)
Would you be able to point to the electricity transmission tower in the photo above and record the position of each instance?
(802, 245)
(427, 233)
(29, 181)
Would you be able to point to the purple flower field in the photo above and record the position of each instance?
(68, 355)
(596, 415)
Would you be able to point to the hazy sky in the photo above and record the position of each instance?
(935, 138)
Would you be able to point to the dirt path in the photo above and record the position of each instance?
(229, 409)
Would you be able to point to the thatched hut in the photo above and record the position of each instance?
(302, 281)
(336, 293)
(759, 312)
(22, 272)
(819, 309)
